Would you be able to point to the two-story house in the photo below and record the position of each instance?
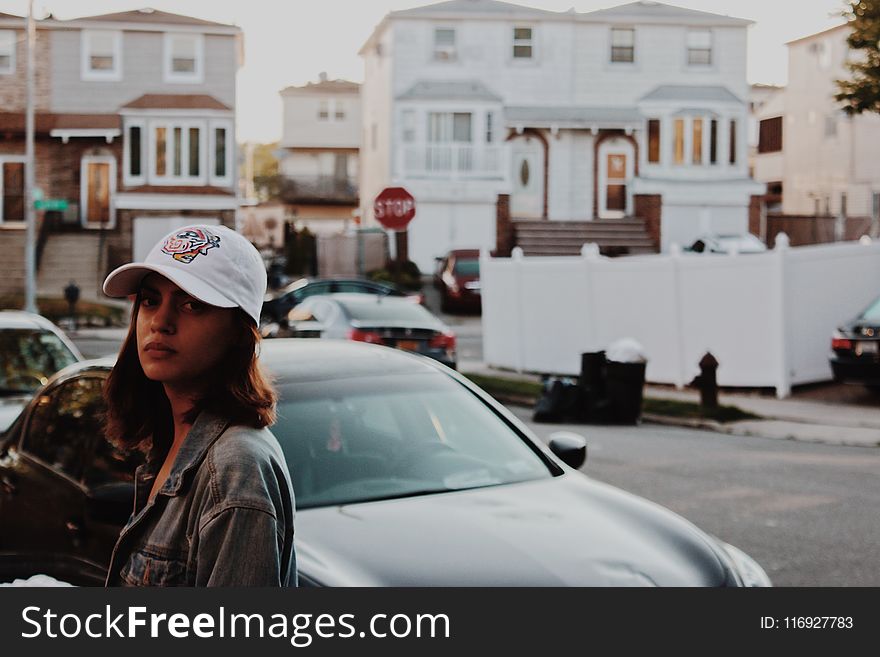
(134, 129)
(637, 110)
(320, 143)
(826, 162)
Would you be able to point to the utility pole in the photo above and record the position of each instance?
(30, 283)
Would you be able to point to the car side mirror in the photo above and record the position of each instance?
(111, 503)
(570, 447)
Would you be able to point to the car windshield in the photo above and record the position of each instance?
(872, 314)
(28, 357)
(362, 439)
(384, 309)
(467, 267)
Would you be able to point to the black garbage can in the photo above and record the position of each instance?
(625, 383)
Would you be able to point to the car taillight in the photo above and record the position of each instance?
(840, 342)
(365, 336)
(443, 341)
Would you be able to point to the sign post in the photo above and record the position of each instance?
(394, 208)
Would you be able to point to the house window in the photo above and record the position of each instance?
(7, 51)
(770, 135)
(449, 127)
(220, 152)
(134, 151)
(678, 141)
(697, 141)
(324, 110)
(177, 153)
(339, 111)
(490, 127)
(522, 43)
(699, 45)
(408, 119)
(732, 156)
(843, 205)
(184, 57)
(831, 126)
(713, 141)
(444, 44)
(653, 140)
(12, 188)
(623, 44)
(101, 55)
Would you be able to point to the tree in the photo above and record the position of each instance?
(862, 92)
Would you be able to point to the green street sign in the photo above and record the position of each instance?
(51, 204)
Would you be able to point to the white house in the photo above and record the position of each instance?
(826, 161)
(636, 110)
(321, 139)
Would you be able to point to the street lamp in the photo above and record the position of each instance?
(30, 303)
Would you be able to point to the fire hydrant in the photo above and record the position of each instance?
(707, 381)
(71, 294)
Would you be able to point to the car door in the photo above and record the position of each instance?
(43, 514)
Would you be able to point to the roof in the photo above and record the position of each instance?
(325, 87)
(5, 16)
(656, 12)
(682, 92)
(449, 90)
(472, 7)
(45, 122)
(536, 116)
(176, 101)
(150, 16)
(817, 34)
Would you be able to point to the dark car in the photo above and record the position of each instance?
(388, 321)
(458, 279)
(32, 349)
(855, 349)
(277, 304)
(405, 474)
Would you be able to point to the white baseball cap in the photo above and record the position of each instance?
(214, 264)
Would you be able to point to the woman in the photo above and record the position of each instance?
(214, 502)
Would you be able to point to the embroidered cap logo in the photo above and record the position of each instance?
(186, 245)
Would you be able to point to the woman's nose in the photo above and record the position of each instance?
(163, 318)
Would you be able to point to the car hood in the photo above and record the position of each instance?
(565, 531)
(10, 408)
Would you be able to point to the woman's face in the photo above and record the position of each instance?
(179, 338)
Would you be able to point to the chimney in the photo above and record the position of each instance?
(322, 76)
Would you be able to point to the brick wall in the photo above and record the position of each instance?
(649, 207)
(810, 229)
(755, 203)
(13, 90)
(504, 231)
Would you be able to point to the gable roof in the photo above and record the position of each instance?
(325, 87)
(684, 92)
(150, 16)
(5, 16)
(176, 101)
(449, 90)
(646, 11)
(471, 8)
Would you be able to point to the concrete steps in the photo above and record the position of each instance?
(614, 237)
(73, 256)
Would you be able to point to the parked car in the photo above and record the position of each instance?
(855, 349)
(277, 304)
(405, 474)
(389, 321)
(741, 243)
(32, 349)
(458, 278)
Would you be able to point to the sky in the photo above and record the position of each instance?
(289, 42)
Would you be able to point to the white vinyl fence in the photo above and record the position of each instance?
(766, 317)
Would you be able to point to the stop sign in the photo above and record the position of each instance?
(394, 208)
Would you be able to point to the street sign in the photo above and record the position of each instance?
(394, 208)
(59, 204)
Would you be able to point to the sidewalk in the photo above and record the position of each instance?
(787, 419)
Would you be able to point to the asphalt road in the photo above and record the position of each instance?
(808, 513)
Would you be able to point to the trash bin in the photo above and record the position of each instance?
(625, 380)
(592, 381)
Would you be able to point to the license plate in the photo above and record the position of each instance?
(409, 345)
(866, 347)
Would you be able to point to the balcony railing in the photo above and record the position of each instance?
(450, 161)
(319, 189)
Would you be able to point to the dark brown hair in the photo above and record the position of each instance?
(139, 413)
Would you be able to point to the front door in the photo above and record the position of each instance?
(13, 191)
(527, 177)
(97, 193)
(616, 166)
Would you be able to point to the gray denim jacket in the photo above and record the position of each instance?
(223, 517)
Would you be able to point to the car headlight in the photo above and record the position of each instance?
(747, 568)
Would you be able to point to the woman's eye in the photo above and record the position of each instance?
(148, 302)
(194, 306)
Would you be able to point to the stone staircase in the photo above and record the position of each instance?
(614, 236)
(71, 256)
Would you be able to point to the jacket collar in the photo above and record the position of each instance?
(207, 428)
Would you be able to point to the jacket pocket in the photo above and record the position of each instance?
(153, 567)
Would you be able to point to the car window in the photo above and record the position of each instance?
(110, 464)
(312, 290)
(357, 287)
(64, 425)
(361, 439)
(28, 357)
(873, 312)
(389, 310)
(467, 267)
